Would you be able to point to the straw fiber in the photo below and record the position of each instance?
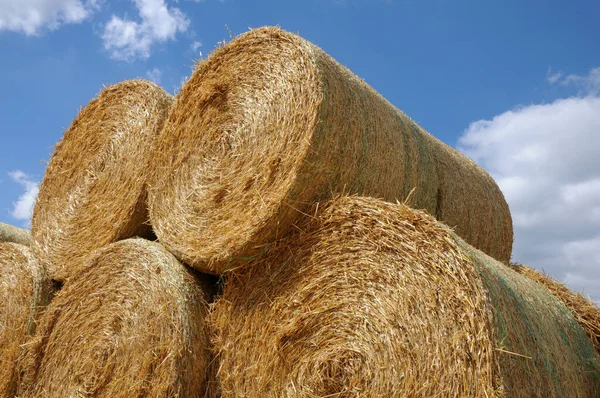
(130, 323)
(8, 233)
(94, 190)
(269, 125)
(585, 311)
(543, 351)
(371, 300)
(24, 290)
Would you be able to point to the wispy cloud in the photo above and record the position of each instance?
(31, 17)
(154, 75)
(588, 84)
(195, 46)
(23, 207)
(127, 40)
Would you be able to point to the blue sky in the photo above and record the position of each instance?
(514, 84)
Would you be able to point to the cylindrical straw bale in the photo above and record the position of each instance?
(9, 233)
(585, 311)
(24, 291)
(93, 192)
(130, 323)
(268, 125)
(543, 350)
(372, 300)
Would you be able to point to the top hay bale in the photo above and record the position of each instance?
(94, 191)
(270, 124)
(8, 233)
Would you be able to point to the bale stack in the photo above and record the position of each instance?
(9, 233)
(372, 299)
(129, 324)
(585, 311)
(24, 291)
(268, 126)
(93, 192)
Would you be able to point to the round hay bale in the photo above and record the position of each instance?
(585, 311)
(129, 324)
(373, 300)
(94, 190)
(8, 233)
(269, 125)
(542, 350)
(24, 291)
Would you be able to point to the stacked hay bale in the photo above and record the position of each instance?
(8, 233)
(24, 291)
(93, 192)
(372, 299)
(585, 311)
(130, 323)
(268, 126)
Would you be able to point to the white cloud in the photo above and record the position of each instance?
(546, 160)
(154, 75)
(23, 207)
(127, 40)
(588, 84)
(195, 46)
(33, 16)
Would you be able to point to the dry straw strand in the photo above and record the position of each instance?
(268, 125)
(93, 192)
(585, 311)
(544, 352)
(371, 300)
(24, 291)
(9, 233)
(130, 323)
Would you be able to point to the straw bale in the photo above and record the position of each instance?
(543, 351)
(24, 291)
(268, 125)
(130, 323)
(372, 300)
(94, 190)
(585, 311)
(9, 233)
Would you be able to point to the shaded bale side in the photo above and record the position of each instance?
(93, 192)
(131, 323)
(372, 300)
(585, 311)
(9, 233)
(24, 291)
(543, 351)
(268, 126)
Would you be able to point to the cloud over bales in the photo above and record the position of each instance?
(545, 159)
(127, 40)
(23, 207)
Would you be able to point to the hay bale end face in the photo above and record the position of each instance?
(372, 301)
(24, 291)
(129, 324)
(93, 192)
(585, 311)
(9, 233)
(269, 125)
